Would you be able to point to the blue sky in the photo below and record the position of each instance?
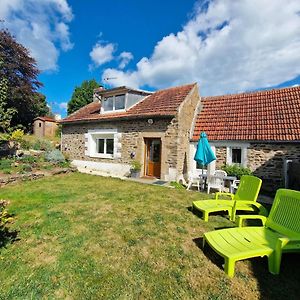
(133, 26)
(226, 46)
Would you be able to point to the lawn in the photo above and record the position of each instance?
(88, 237)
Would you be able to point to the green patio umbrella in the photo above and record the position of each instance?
(204, 154)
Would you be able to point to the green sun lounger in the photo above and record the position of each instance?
(280, 233)
(244, 199)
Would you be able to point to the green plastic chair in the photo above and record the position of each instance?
(244, 199)
(280, 233)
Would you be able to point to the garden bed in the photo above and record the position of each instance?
(31, 165)
(7, 179)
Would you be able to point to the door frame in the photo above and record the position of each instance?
(145, 155)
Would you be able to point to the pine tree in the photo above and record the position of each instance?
(82, 95)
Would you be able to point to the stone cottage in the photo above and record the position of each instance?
(124, 124)
(259, 130)
(44, 127)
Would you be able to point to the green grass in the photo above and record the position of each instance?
(88, 237)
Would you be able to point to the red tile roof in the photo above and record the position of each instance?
(48, 119)
(161, 103)
(272, 115)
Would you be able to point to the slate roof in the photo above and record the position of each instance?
(160, 103)
(272, 115)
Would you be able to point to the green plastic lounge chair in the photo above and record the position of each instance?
(244, 199)
(280, 233)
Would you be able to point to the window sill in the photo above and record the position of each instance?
(109, 156)
(112, 111)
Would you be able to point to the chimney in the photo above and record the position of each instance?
(96, 97)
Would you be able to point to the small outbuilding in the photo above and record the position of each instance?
(44, 127)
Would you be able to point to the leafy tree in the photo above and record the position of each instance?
(41, 108)
(20, 71)
(6, 114)
(82, 95)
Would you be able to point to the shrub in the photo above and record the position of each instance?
(17, 135)
(54, 156)
(42, 145)
(5, 164)
(29, 159)
(58, 131)
(236, 170)
(25, 145)
(65, 164)
(4, 137)
(136, 165)
(25, 168)
(4, 215)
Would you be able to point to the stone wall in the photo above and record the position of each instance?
(132, 132)
(50, 129)
(44, 128)
(173, 132)
(266, 160)
(186, 114)
(221, 157)
(38, 128)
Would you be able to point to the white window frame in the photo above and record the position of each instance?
(105, 145)
(114, 104)
(244, 151)
(92, 145)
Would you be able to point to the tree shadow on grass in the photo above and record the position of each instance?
(282, 286)
(7, 236)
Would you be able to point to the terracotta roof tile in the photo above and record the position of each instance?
(160, 103)
(48, 119)
(272, 115)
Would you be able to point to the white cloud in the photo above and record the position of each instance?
(41, 26)
(228, 46)
(63, 105)
(125, 58)
(102, 54)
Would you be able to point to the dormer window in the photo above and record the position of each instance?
(114, 103)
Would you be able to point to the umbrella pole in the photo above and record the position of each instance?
(202, 185)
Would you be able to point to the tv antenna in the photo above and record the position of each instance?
(110, 78)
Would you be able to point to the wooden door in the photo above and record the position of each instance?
(152, 157)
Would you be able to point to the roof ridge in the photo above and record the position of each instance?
(175, 87)
(153, 94)
(250, 93)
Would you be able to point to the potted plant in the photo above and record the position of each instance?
(135, 170)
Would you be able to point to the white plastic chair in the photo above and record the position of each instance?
(194, 179)
(234, 186)
(216, 181)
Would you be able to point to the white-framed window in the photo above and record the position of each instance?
(237, 155)
(103, 143)
(114, 103)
